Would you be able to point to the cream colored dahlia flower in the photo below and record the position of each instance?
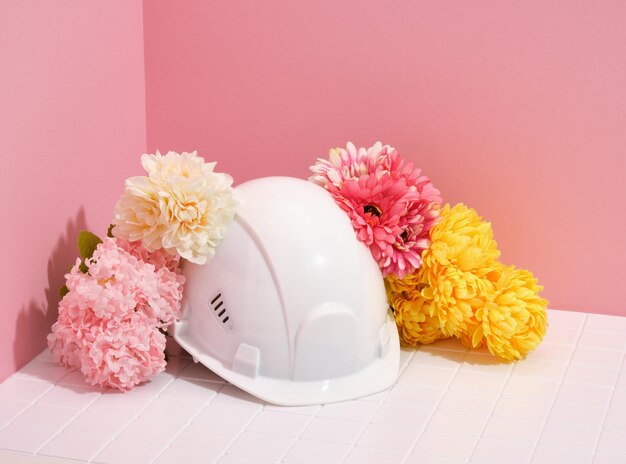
(182, 206)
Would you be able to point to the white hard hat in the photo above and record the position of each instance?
(292, 309)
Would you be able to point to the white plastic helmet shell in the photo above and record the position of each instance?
(292, 309)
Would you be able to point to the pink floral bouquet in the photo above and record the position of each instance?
(112, 316)
(124, 292)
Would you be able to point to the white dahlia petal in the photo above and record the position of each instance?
(182, 206)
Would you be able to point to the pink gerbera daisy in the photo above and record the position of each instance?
(342, 164)
(391, 205)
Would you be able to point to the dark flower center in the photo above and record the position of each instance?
(405, 235)
(371, 209)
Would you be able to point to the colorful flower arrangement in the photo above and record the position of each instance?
(126, 290)
(440, 262)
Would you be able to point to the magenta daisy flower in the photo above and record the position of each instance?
(342, 164)
(391, 205)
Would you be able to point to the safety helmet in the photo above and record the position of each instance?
(292, 308)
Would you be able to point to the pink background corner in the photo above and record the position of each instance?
(517, 109)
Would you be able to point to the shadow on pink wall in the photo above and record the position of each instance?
(36, 317)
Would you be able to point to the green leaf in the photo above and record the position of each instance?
(110, 231)
(87, 243)
(64, 291)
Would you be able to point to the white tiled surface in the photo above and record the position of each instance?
(566, 403)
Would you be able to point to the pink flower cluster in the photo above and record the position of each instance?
(109, 322)
(391, 205)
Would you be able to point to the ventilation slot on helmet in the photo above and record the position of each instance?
(217, 304)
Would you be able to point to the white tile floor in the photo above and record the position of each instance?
(566, 403)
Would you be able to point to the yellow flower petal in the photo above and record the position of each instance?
(415, 317)
(515, 319)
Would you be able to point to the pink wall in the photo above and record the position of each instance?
(516, 108)
(72, 125)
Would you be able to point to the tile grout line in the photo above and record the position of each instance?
(33, 403)
(380, 404)
(424, 428)
(146, 406)
(508, 379)
(311, 419)
(36, 401)
(131, 418)
(491, 414)
(242, 430)
(351, 446)
(72, 419)
(608, 408)
(568, 363)
(186, 424)
(544, 424)
(29, 403)
(14, 416)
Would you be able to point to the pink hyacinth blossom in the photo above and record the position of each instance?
(109, 321)
(160, 258)
(123, 353)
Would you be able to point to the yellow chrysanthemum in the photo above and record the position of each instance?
(408, 283)
(466, 337)
(415, 318)
(461, 253)
(461, 238)
(472, 325)
(456, 295)
(462, 290)
(514, 319)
